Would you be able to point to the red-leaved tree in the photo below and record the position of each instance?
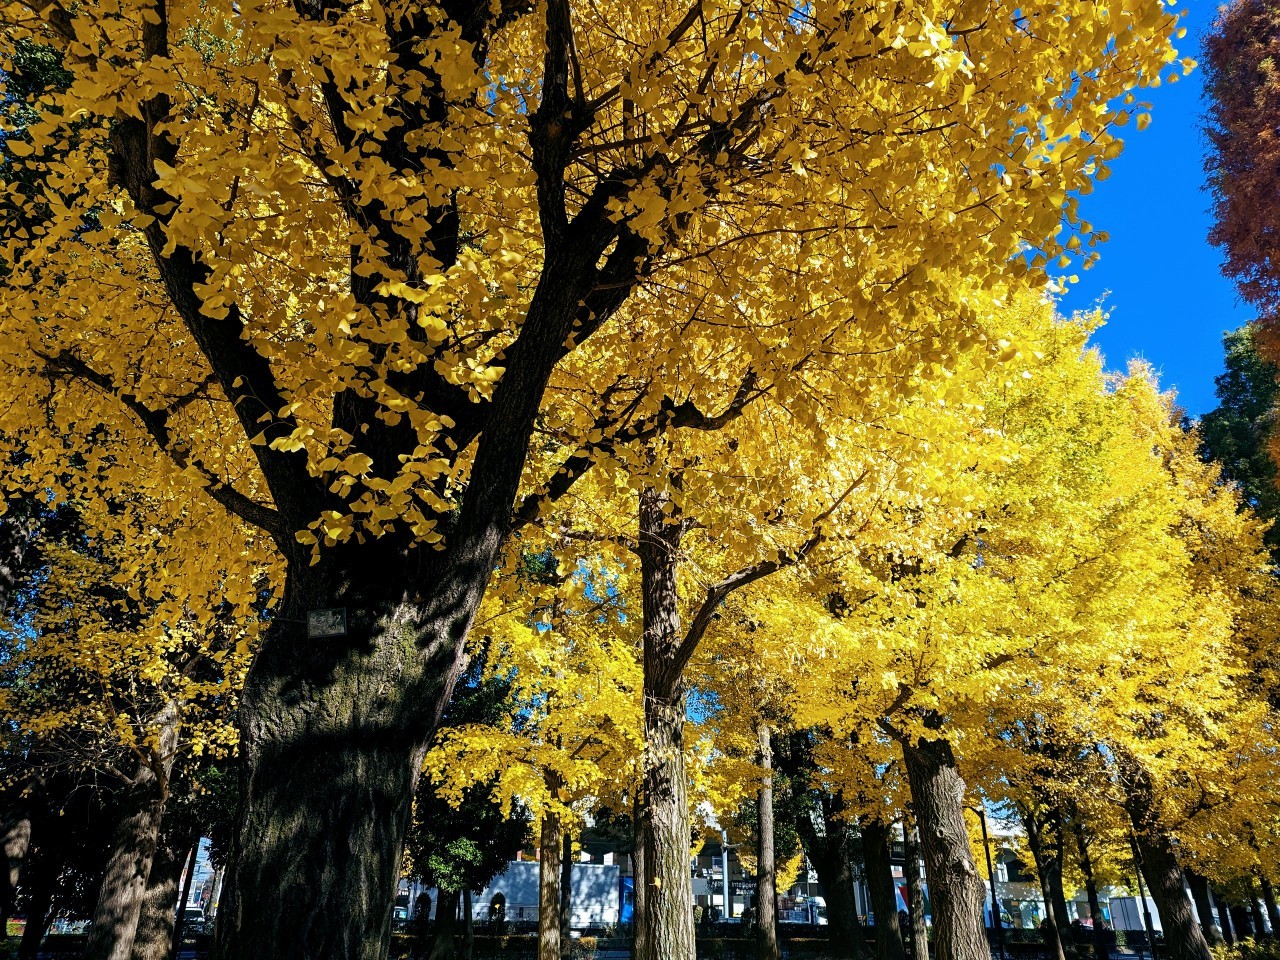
(1242, 57)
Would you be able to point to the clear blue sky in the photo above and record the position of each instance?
(1167, 298)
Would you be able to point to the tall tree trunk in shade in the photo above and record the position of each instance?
(955, 886)
(834, 867)
(566, 895)
(766, 865)
(1224, 918)
(639, 886)
(666, 821)
(1035, 840)
(550, 851)
(154, 939)
(1269, 898)
(1100, 945)
(123, 891)
(1183, 937)
(40, 879)
(877, 859)
(1255, 910)
(444, 937)
(919, 941)
(469, 926)
(1200, 896)
(826, 835)
(1055, 853)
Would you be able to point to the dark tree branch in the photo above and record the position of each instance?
(156, 423)
(670, 415)
(717, 592)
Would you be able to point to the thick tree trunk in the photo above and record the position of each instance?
(1035, 840)
(184, 897)
(666, 819)
(332, 734)
(1100, 946)
(1204, 908)
(666, 855)
(444, 938)
(955, 886)
(550, 851)
(133, 846)
(1255, 912)
(1269, 898)
(877, 859)
(566, 895)
(766, 864)
(1182, 935)
(919, 943)
(156, 925)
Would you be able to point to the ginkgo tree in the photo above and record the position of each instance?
(323, 263)
(1031, 559)
(572, 734)
(117, 671)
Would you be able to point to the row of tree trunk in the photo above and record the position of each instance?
(664, 894)
(136, 916)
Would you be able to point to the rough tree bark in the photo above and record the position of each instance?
(766, 864)
(1204, 908)
(133, 846)
(157, 922)
(919, 940)
(877, 858)
(1035, 840)
(1100, 947)
(550, 851)
(955, 886)
(1183, 937)
(666, 820)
